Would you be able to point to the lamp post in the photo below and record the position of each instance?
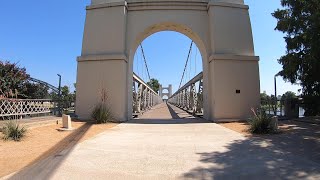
(59, 96)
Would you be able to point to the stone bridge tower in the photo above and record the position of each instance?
(221, 29)
(168, 94)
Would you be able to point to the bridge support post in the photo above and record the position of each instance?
(233, 67)
(103, 62)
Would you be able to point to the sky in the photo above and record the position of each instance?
(46, 37)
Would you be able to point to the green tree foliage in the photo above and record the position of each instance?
(300, 21)
(265, 98)
(14, 83)
(67, 98)
(288, 95)
(36, 91)
(12, 79)
(154, 84)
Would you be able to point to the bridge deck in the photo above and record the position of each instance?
(167, 114)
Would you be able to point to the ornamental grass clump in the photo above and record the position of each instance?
(13, 131)
(260, 123)
(101, 112)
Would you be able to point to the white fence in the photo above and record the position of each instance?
(189, 97)
(144, 97)
(21, 107)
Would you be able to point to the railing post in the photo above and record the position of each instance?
(200, 97)
(140, 90)
(149, 98)
(192, 97)
(134, 98)
(145, 99)
(185, 99)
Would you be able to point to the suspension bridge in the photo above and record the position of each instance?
(189, 96)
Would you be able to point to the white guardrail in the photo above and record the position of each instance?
(188, 97)
(144, 97)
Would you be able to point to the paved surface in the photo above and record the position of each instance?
(160, 147)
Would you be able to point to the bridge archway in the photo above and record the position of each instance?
(220, 28)
(165, 92)
(179, 29)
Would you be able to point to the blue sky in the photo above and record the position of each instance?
(46, 37)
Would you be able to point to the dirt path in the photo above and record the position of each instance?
(41, 142)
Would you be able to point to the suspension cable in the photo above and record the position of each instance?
(185, 66)
(145, 61)
(137, 63)
(190, 64)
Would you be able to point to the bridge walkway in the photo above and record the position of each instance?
(167, 113)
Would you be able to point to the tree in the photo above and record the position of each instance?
(265, 99)
(13, 80)
(67, 98)
(300, 21)
(36, 91)
(14, 83)
(154, 84)
(288, 95)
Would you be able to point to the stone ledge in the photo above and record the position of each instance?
(216, 57)
(107, 5)
(104, 57)
(161, 5)
(230, 5)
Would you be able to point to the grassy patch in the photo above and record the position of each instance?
(12, 131)
(260, 123)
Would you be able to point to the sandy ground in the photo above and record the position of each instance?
(295, 137)
(41, 142)
(242, 127)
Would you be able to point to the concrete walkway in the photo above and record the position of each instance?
(158, 146)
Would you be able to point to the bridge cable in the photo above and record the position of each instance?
(189, 78)
(137, 62)
(145, 61)
(185, 67)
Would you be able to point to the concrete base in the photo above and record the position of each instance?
(66, 122)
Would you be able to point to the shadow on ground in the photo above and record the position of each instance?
(291, 155)
(167, 121)
(46, 165)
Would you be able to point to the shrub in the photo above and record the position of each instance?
(260, 122)
(12, 131)
(101, 113)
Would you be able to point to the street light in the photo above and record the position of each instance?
(59, 95)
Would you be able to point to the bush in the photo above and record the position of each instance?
(12, 131)
(260, 122)
(101, 113)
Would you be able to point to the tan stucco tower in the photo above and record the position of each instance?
(220, 28)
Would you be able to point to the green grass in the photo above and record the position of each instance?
(101, 113)
(260, 122)
(13, 131)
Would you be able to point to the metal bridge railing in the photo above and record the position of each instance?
(144, 97)
(188, 97)
(20, 107)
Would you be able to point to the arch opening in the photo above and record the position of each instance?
(162, 66)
